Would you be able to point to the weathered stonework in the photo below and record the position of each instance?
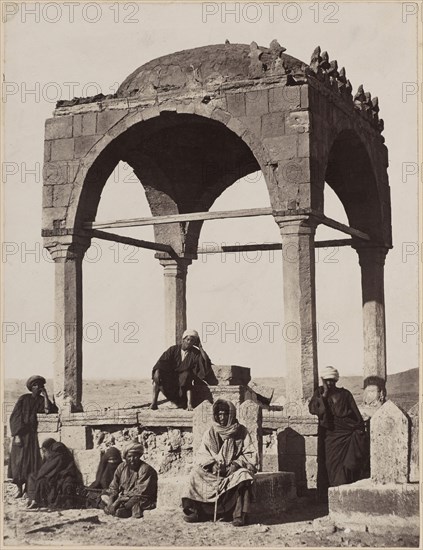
(371, 505)
(389, 445)
(231, 375)
(200, 422)
(414, 472)
(250, 416)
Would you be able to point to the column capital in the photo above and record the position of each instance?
(297, 224)
(371, 255)
(67, 247)
(175, 267)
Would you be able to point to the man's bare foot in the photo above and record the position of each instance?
(32, 505)
(189, 408)
(154, 406)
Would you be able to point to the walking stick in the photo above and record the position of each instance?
(217, 492)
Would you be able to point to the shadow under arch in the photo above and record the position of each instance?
(183, 161)
(349, 172)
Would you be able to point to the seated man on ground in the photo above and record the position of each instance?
(225, 462)
(134, 486)
(178, 368)
(58, 482)
(109, 461)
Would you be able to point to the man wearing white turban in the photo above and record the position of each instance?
(343, 449)
(178, 368)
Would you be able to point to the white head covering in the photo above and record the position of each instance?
(329, 373)
(190, 332)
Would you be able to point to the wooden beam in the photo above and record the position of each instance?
(178, 218)
(214, 248)
(223, 214)
(104, 235)
(333, 243)
(329, 222)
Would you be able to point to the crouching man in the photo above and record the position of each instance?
(133, 488)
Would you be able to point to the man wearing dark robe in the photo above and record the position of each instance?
(25, 457)
(177, 370)
(342, 440)
(58, 482)
(134, 486)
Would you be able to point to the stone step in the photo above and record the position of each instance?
(380, 508)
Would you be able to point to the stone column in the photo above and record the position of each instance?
(175, 277)
(300, 309)
(67, 254)
(372, 261)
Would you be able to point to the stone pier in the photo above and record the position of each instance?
(68, 254)
(299, 308)
(372, 261)
(175, 279)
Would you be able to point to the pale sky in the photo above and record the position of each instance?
(235, 302)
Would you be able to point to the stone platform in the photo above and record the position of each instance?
(376, 507)
(273, 493)
(290, 441)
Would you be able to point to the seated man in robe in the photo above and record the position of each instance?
(178, 368)
(134, 486)
(58, 482)
(343, 449)
(221, 480)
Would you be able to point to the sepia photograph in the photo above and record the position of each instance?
(211, 256)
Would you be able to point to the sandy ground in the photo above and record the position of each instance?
(305, 526)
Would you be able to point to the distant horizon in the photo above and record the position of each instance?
(252, 377)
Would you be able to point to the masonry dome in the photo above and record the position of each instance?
(208, 67)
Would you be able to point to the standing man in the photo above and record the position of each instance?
(178, 367)
(25, 457)
(342, 439)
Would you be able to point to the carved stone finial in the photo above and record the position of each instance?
(256, 67)
(315, 59)
(367, 103)
(333, 74)
(333, 68)
(360, 96)
(380, 125)
(276, 48)
(342, 76)
(375, 110)
(324, 64)
(276, 62)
